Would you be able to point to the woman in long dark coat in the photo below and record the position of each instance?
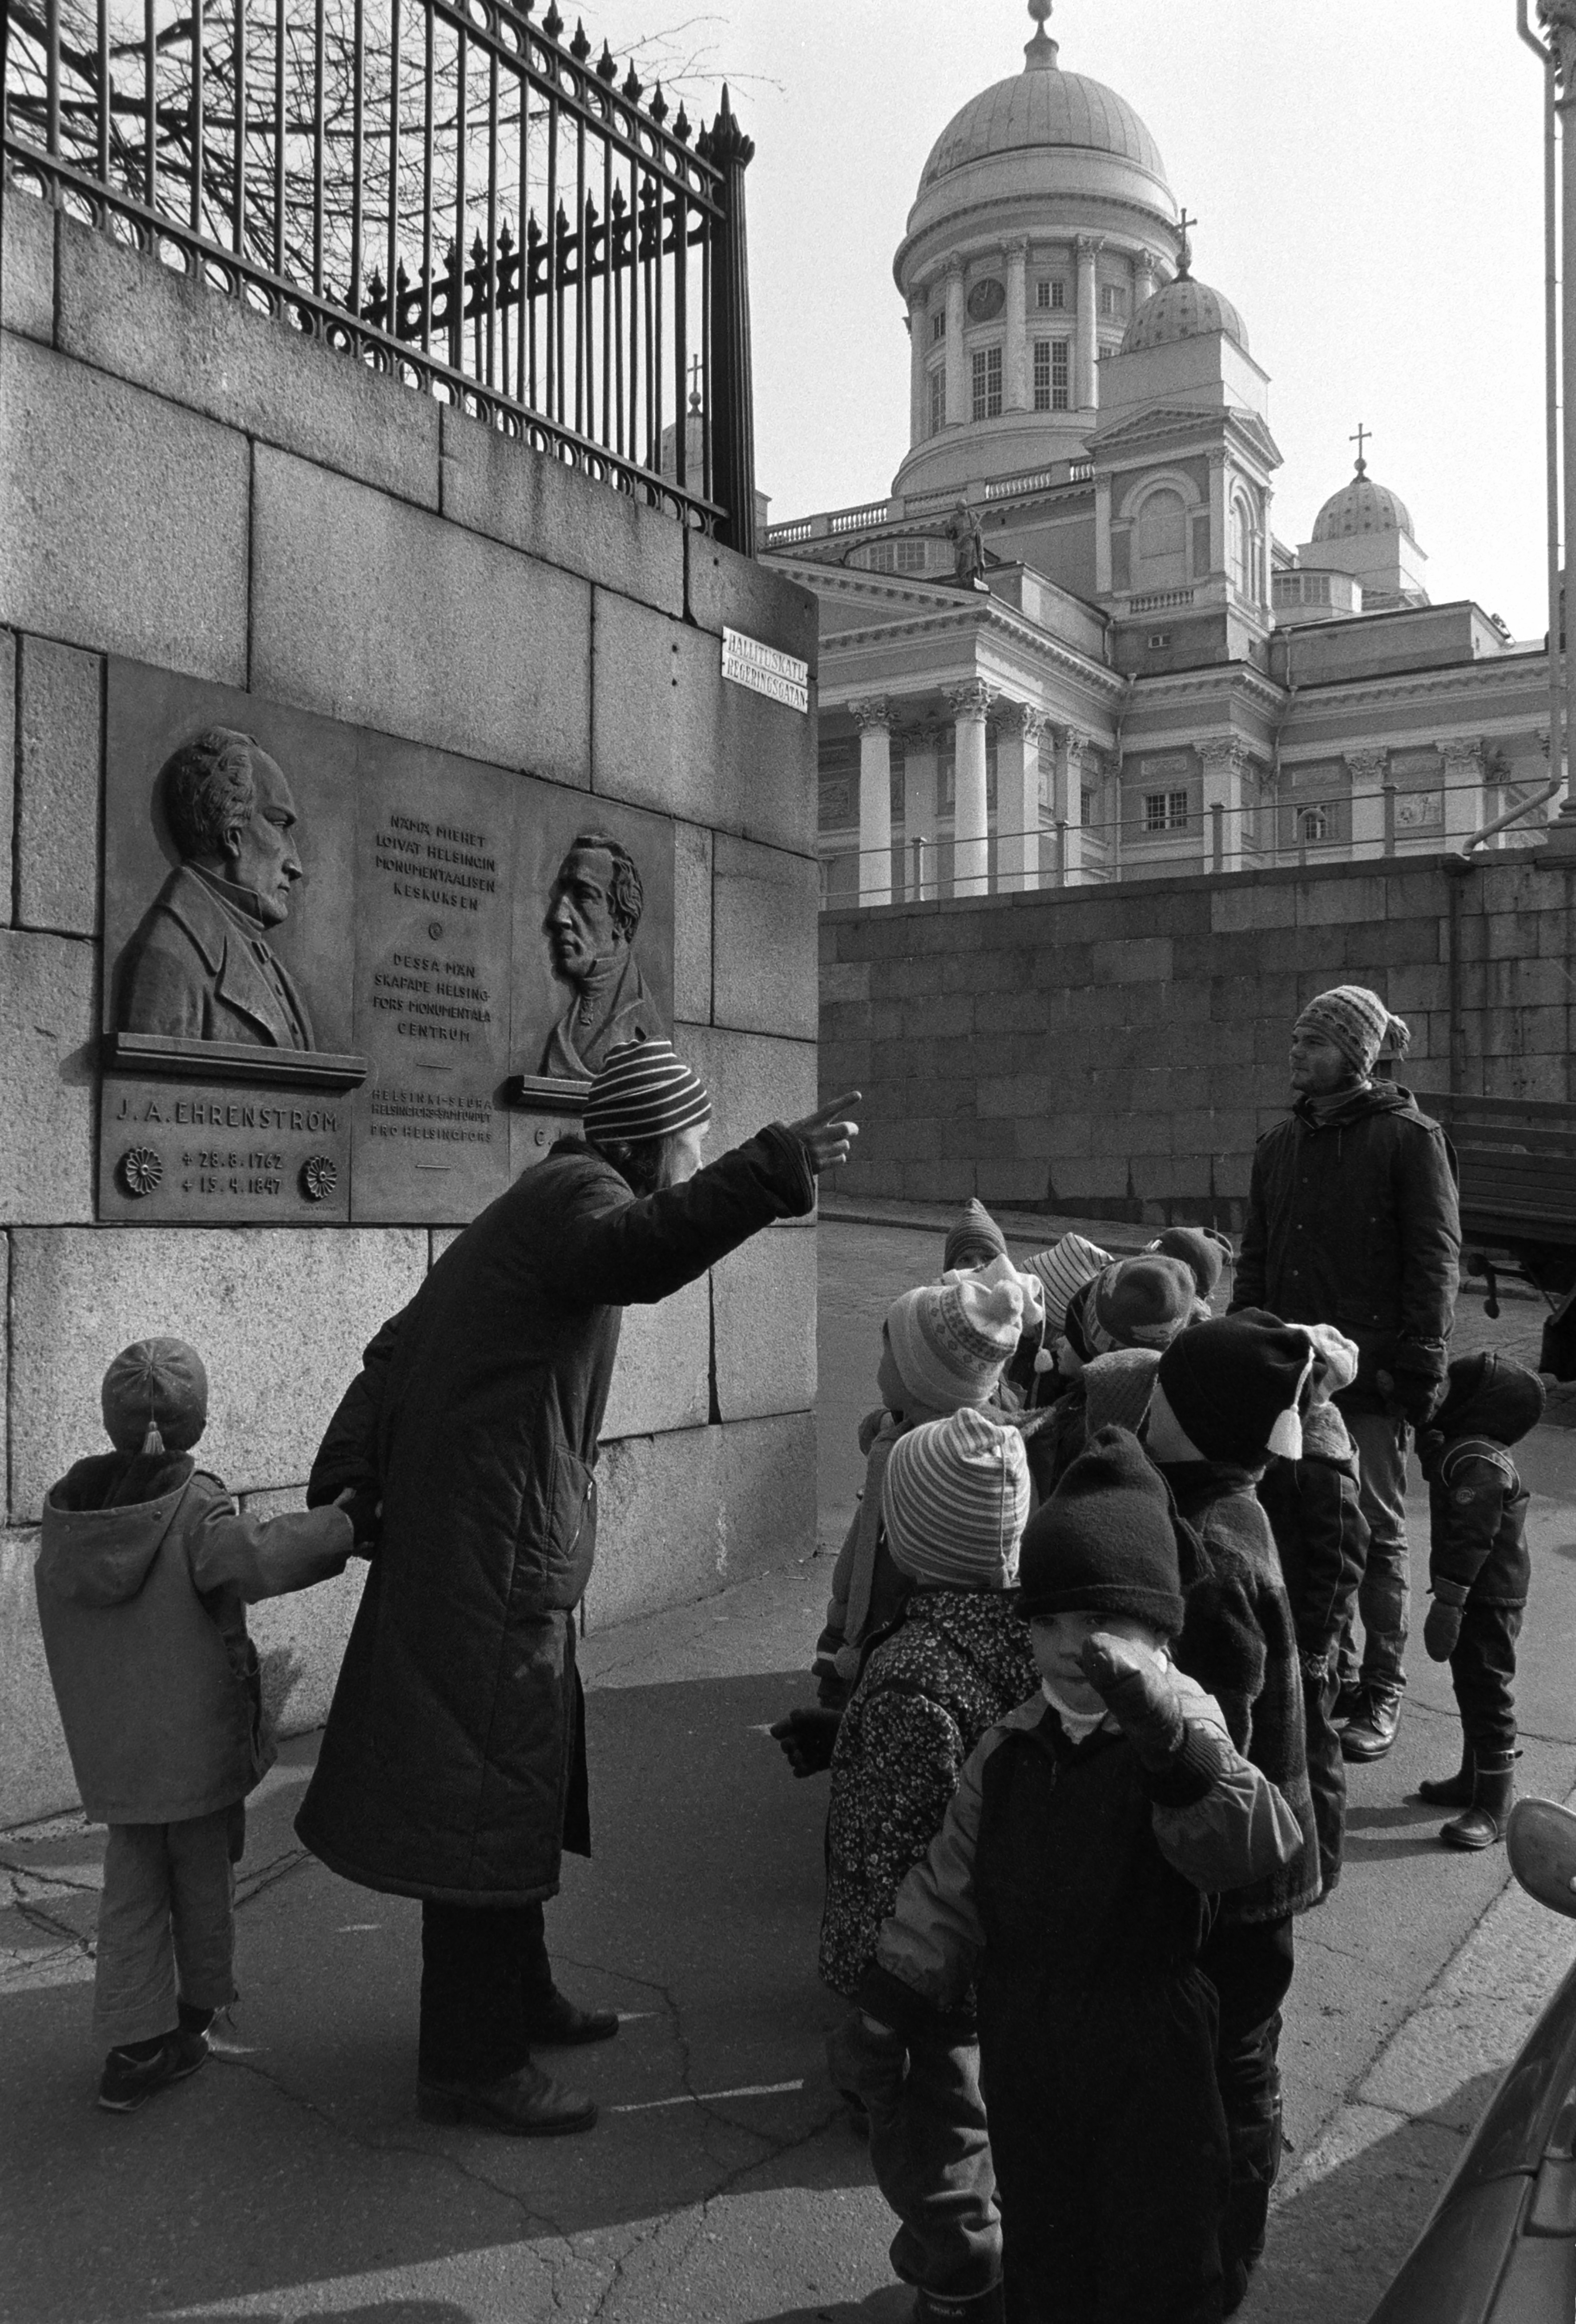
(453, 1765)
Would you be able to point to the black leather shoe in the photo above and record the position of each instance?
(525, 2105)
(127, 2082)
(1349, 1702)
(562, 2027)
(1373, 1730)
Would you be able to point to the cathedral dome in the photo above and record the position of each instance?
(1361, 507)
(1182, 309)
(1039, 107)
(1045, 134)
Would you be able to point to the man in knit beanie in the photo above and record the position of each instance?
(453, 1765)
(1068, 1886)
(1353, 1218)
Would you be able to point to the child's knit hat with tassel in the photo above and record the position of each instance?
(1235, 1387)
(156, 1397)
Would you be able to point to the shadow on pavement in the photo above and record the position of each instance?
(297, 2159)
(1335, 2245)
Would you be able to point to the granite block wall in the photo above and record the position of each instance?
(192, 484)
(1116, 1052)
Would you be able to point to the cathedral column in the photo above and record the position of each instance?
(1266, 552)
(1019, 727)
(1015, 396)
(971, 845)
(957, 385)
(1216, 514)
(1465, 772)
(918, 378)
(874, 721)
(1086, 387)
(919, 814)
(1067, 799)
(1368, 770)
(1225, 770)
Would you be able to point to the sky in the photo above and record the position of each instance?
(1369, 179)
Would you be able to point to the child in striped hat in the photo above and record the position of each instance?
(944, 1345)
(953, 1502)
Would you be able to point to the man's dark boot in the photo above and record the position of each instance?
(523, 2105)
(1449, 1791)
(1349, 1702)
(558, 2024)
(1373, 1731)
(1493, 1790)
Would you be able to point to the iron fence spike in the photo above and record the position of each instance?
(579, 47)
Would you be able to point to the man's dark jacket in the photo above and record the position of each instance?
(1352, 1219)
(453, 1739)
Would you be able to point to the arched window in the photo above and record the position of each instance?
(1244, 550)
(1162, 541)
(1314, 824)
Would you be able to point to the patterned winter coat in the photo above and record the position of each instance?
(956, 1664)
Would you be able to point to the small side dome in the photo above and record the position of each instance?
(1361, 507)
(1182, 309)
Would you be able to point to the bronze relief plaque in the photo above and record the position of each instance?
(349, 977)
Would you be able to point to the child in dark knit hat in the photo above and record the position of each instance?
(1321, 1535)
(954, 1498)
(1227, 1398)
(1134, 1304)
(143, 1578)
(1069, 1885)
(1203, 1250)
(1479, 1573)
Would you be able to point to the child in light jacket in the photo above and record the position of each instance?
(142, 1577)
(1069, 1885)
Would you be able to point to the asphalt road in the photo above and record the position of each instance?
(292, 2178)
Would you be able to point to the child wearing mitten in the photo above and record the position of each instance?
(144, 1575)
(1069, 1885)
(1477, 1577)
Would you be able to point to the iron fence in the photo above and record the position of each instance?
(447, 191)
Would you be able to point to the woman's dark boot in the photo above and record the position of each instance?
(1450, 1791)
(1484, 1822)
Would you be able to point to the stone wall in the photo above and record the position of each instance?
(189, 485)
(1115, 1052)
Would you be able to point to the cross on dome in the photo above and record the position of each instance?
(1185, 255)
(1362, 435)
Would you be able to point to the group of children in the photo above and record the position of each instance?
(1078, 1695)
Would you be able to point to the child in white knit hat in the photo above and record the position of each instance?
(1320, 1535)
(943, 1346)
(953, 1502)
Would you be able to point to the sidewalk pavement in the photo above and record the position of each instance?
(291, 2178)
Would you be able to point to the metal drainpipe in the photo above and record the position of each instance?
(1457, 869)
(1116, 752)
(1547, 58)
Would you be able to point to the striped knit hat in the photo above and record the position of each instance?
(950, 1340)
(644, 1090)
(954, 1500)
(1117, 1387)
(1065, 1268)
(156, 1397)
(1357, 1021)
(974, 1239)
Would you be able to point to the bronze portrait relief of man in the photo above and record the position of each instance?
(200, 965)
(593, 914)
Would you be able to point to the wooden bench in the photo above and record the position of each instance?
(1518, 1158)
